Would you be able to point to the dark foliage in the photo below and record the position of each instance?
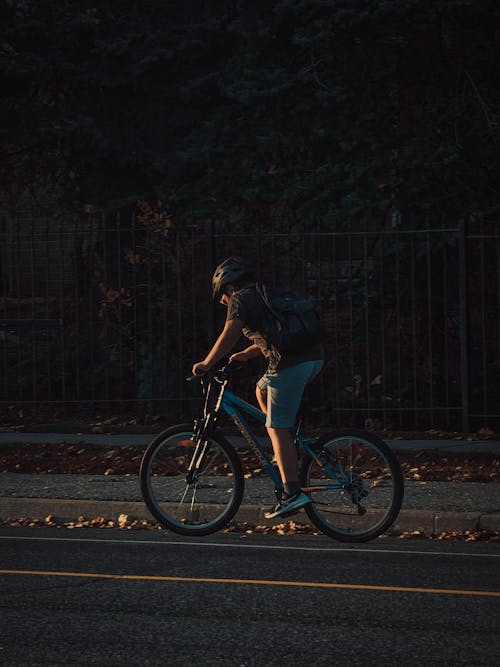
(328, 107)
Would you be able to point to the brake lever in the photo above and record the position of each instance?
(226, 371)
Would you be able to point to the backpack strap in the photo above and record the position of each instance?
(262, 292)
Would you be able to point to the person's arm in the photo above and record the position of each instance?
(249, 353)
(224, 344)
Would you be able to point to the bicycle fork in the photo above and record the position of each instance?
(199, 454)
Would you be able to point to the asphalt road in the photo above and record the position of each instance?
(109, 597)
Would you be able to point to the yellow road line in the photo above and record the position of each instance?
(255, 582)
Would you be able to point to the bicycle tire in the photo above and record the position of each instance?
(199, 506)
(373, 483)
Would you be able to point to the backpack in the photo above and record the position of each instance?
(292, 322)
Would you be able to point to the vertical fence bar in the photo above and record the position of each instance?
(134, 331)
(463, 322)
(382, 327)
(497, 239)
(76, 305)
(48, 265)
(351, 317)
(18, 264)
(151, 358)
(180, 331)
(336, 323)
(414, 324)
(91, 319)
(165, 356)
(62, 309)
(273, 248)
(4, 236)
(258, 238)
(211, 254)
(288, 253)
(305, 239)
(34, 392)
(120, 303)
(445, 326)
(483, 318)
(429, 319)
(319, 281)
(398, 312)
(194, 303)
(367, 317)
(104, 319)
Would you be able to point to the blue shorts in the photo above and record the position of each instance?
(284, 390)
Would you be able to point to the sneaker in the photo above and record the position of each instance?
(289, 506)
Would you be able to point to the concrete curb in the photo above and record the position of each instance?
(429, 522)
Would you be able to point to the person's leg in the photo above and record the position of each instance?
(285, 454)
(284, 393)
(261, 395)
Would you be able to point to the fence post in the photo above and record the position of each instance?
(463, 322)
(210, 235)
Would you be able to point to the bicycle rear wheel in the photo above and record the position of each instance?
(191, 488)
(355, 484)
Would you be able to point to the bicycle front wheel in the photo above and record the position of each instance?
(191, 488)
(355, 484)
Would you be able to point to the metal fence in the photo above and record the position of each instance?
(111, 311)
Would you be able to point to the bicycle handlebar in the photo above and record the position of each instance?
(221, 373)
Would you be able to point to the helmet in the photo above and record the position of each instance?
(231, 270)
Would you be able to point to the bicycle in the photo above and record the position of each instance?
(192, 478)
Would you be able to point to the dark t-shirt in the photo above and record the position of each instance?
(248, 306)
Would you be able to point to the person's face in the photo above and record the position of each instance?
(226, 296)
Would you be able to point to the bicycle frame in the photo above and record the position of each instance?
(233, 406)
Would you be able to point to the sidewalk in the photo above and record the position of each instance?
(127, 440)
(430, 507)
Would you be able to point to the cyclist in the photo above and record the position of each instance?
(279, 391)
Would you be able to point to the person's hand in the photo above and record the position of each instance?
(238, 356)
(199, 368)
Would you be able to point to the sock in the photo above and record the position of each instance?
(291, 488)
